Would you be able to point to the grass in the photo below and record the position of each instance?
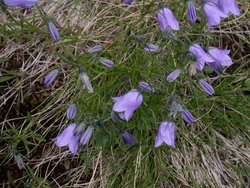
(212, 152)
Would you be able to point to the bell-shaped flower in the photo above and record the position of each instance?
(85, 80)
(187, 116)
(191, 11)
(106, 62)
(21, 3)
(221, 57)
(128, 137)
(207, 87)
(173, 75)
(71, 111)
(213, 13)
(67, 137)
(166, 18)
(144, 86)
(166, 133)
(128, 2)
(128, 103)
(228, 6)
(51, 77)
(94, 49)
(86, 136)
(201, 56)
(151, 48)
(53, 31)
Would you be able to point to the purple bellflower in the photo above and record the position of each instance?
(67, 137)
(187, 116)
(151, 48)
(94, 49)
(21, 3)
(201, 56)
(71, 111)
(128, 137)
(191, 11)
(220, 57)
(128, 103)
(173, 75)
(86, 136)
(53, 31)
(51, 77)
(128, 2)
(85, 80)
(144, 86)
(166, 18)
(106, 62)
(166, 133)
(213, 13)
(228, 6)
(207, 87)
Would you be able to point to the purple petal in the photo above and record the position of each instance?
(151, 48)
(51, 77)
(73, 144)
(200, 54)
(128, 137)
(166, 18)
(71, 112)
(187, 116)
(128, 2)
(64, 138)
(173, 75)
(158, 140)
(170, 138)
(228, 6)
(106, 62)
(21, 3)
(191, 11)
(207, 87)
(221, 57)
(86, 136)
(53, 31)
(144, 86)
(94, 49)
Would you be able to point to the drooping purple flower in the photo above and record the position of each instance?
(106, 62)
(128, 137)
(187, 116)
(128, 2)
(85, 80)
(166, 18)
(228, 6)
(128, 103)
(221, 57)
(53, 31)
(191, 11)
(21, 3)
(94, 49)
(71, 111)
(67, 137)
(173, 75)
(151, 48)
(200, 55)
(207, 87)
(86, 136)
(51, 77)
(144, 86)
(213, 13)
(166, 133)
(216, 67)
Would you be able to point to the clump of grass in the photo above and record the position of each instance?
(212, 152)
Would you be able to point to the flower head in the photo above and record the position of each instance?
(86, 136)
(144, 86)
(187, 116)
(21, 3)
(128, 2)
(166, 18)
(220, 57)
(85, 80)
(173, 75)
(228, 6)
(53, 31)
(207, 87)
(128, 103)
(106, 62)
(191, 11)
(51, 77)
(166, 133)
(213, 14)
(94, 49)
(71, 111)
(67, 137)
(128, 137)
(151, 48)
(201, 56)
